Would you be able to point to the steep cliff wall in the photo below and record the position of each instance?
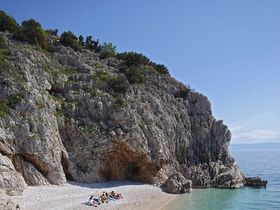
(64, 117)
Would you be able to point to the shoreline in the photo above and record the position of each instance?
(74, 195)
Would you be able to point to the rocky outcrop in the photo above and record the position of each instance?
(6, 202)
(177, 184)
(62, 119)
(255, 182)
(11, 182)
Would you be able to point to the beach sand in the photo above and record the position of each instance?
(75, 195)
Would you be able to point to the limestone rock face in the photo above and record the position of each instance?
(11, 182)
(177, 184)
(6, 202)
(65, 121)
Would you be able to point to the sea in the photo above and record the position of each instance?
(254, 160)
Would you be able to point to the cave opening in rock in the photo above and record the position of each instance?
(133, 170)
(65, 166)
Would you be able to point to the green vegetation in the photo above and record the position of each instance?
(183, 92)
(59, 113)
(92, 44)
(132, 66)
(7, 23)
(4, 109)
(119, 102)
(107, 50)
(118, 84)
(113, 84)
(69, 39)
(160, 68)
(102, 75)
(81, 41)
(3, 42)
(10, 103)
(133, 59)
(39, 105)
(32, 32)
(4, 52)
(53, 32)
(134, 74)
(54, 72)
(135, 64)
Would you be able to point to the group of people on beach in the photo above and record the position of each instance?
(104, 198)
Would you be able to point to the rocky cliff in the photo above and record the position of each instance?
(69, 115)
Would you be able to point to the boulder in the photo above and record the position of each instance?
(255, 182)
(177, 184)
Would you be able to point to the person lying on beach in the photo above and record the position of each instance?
(93, 201)
(103, 197)
(115, 195)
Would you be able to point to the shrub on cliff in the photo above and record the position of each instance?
(160, 68)
(132, 66)
(69, 39)
(91, 44)
(4, 52)
(7, 23)
(133, 74)
(118, 84)
(107, 50)
(10, 103)
(133, 59)
(3, 42)
(182, 92)
(32, 32)
(53, 32)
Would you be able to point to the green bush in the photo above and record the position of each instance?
(160, 68)
(133, 66)
(107, 50)
(32, 32)
(3, 42)
(102, 75)
(53, 32)
(183, 92)
(92, 44)
(133, 59)
(4, 52)
(81, 41)
(10, 103)
(133, 74)
(7, 23)
(4, 109)
(119, 102)
(69, 39)
(118, 84)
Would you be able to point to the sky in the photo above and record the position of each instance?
(229, 50)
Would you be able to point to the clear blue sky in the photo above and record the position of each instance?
(227, 49)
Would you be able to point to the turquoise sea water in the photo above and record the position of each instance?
(264, 163)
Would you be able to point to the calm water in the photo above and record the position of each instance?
(253, 163)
